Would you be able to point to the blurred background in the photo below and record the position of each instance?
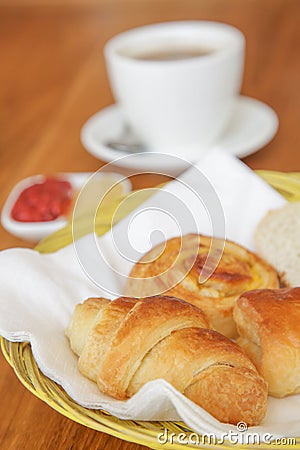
(53, 75)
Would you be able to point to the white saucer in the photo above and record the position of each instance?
(253, 125)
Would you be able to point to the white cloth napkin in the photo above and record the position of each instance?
(39, 291)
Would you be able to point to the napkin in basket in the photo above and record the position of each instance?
(39, 291)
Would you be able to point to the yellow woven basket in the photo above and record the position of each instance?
(20, 357)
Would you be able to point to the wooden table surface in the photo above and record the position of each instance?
(53, 78)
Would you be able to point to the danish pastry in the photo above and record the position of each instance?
(173, 269)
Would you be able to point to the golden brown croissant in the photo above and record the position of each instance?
(268, 323)
(239, 270)
(123, 344)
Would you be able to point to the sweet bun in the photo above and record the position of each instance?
(125, 343)
(268, 323)
(277, 239)
(239, 270)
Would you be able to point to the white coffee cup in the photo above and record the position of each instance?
(177, 106)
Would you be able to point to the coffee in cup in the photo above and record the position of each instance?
(177, 82)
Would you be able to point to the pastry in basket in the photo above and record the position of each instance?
(124, 343)
(239, 270)
(268, 322)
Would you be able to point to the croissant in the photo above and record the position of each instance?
(171, 269)
(125, 343)
(268, 323)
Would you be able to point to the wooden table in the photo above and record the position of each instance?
(53, 78)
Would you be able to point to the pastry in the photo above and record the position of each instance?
(172, 262)
(268, 323)
(277, 238)
(124, 343)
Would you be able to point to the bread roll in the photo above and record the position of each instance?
(277, 238)
(268, 323)
(239, 270)
(125, 343)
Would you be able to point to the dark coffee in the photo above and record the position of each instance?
(172, 54)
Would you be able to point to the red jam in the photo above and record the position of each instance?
(43, 202)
